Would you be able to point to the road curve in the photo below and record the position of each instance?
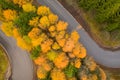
(104, 57)
(22, 67)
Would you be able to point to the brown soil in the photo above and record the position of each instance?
(78, 15)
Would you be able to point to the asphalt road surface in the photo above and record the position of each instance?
(104, 57)
(22, 67)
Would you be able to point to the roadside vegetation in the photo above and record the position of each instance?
(3, 64)
(57, 54)
(103, 17)
(114, 74)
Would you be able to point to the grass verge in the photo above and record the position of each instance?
(3, 64)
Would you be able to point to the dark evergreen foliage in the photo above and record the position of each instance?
(22, 22)
(9, 5)
(106, 11)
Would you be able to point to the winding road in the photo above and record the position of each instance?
(104, 57)
(22, 67)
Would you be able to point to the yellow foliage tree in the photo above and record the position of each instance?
(60, 35)
(61, 26)
(55, 46)
(7, 28)
(34, 33)
(21, 2)
(61, 61)
(69, 45)
(46, 66)
(53, 18)
(79, 51)
(41, 73)
(28, 7)
(91, 64)
(44, 22)
(77, 63)
(52, 28)
(53, 34)
(83, 52)
(16, 34)
(21, 43)
(34, 22)
(46, 45)
(75, 36)
(71, 55)
(38, 41)
(61, 42)
(94, 77)
(57, 74)
(40, 60)
(43, 11)
(76, 50)
(9, 14)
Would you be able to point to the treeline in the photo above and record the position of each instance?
(105, 12)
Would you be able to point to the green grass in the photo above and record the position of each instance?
(3, 64)
(103, 37)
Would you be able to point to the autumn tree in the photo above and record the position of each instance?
(53, 18)
(41, 73)
(46, 45)
(43, 11)
(16, 34)
(28, 7)
(44, 22)
(21, 2)
(61, 61)
(75, 36)
(57, 74)
(7, 28)
(61, 25)
(22, 44)
(34, 33)
(22, 22)
(9, 14)
(34, 21)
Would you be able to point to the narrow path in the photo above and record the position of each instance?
(22, 67)
(104, 57)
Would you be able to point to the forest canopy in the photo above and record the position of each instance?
(104, 11)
